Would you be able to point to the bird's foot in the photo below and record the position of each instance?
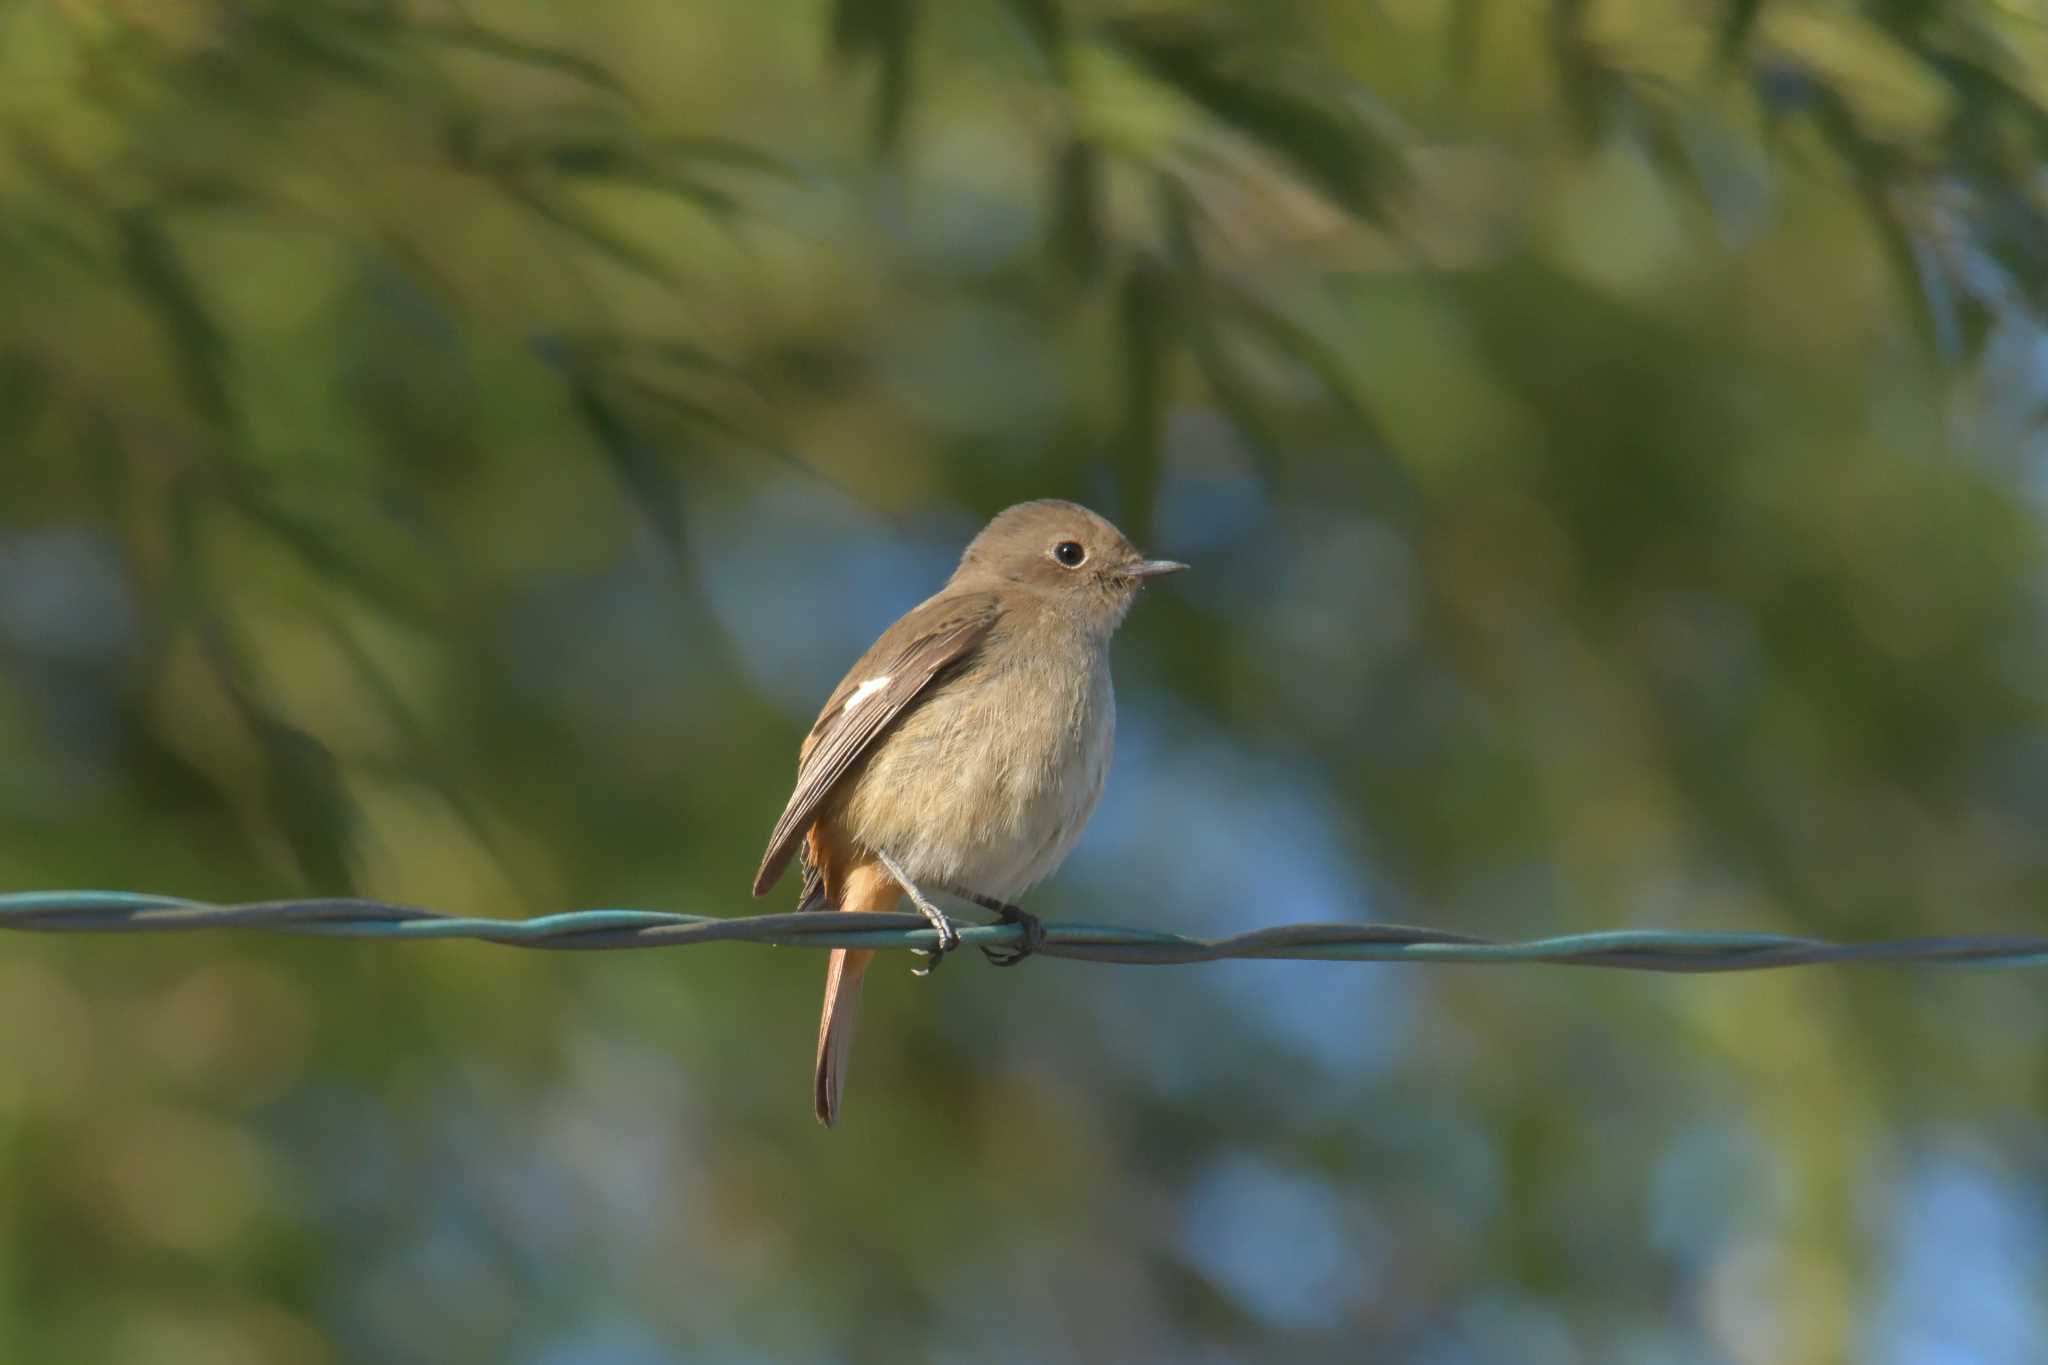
(1032, 941)
(949, 937)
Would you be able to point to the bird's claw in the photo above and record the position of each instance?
(935, 957)
(1033, 940)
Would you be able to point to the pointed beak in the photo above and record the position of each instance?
(1155, 568)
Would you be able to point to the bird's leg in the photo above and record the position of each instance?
(949, 937)
(1006, 913)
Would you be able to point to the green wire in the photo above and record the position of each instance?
(110, 912)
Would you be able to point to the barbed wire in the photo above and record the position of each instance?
(109, 912)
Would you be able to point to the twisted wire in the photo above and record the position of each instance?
(107, 912)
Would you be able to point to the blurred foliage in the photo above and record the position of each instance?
(450, 447)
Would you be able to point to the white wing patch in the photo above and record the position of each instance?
(863, 692)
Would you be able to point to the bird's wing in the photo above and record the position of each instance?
(930, 639)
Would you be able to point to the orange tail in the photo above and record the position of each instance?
(835, 1028)
(867, 886)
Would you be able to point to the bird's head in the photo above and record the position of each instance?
(1065, 554)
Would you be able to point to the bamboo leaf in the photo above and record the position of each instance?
(303, 791)
(428, 761)
(881, 30)
(1200, 322)
(725, 152)
(311, 36)
(198, 348)
(492, 43)
(1046, 24)
(640, 468)
(1738, 23)
(348, 544)
(588, 228)
(1145, 328)
(1286, 335)
(1074, 237)
(1329, 148)
(309, 803)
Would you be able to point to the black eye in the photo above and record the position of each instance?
(1070, 553)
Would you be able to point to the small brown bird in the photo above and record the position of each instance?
(967, 748)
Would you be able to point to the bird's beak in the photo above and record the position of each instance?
(1155, 568)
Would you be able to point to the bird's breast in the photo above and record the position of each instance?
(985, 785)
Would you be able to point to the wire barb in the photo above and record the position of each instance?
(111, 912)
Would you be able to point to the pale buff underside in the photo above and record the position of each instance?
(985, 786)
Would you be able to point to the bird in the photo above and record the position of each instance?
(964, 752)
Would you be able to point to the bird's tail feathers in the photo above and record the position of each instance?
(835, 1029)
(812, 897)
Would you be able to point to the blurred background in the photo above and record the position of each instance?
(452, 446)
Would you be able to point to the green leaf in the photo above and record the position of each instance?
(881, 30)
(725, 152)
(589, 229)
(1875, 170)
(1194, 307)
(198, 348)
(309, 803)
(621, 378)
(1145, 329)
(1272, 327)
(492, 43)
(640, 468)
(710, 199)
(427, 759)
(593, 144)
(1046, 23)
(1462, 35)
(347, 543)
(1326, 146)
(311, 36)
(1592, 91)
(1074, 235)
(591, 349)
(25, 392)
(303, 791)
(1738, 23)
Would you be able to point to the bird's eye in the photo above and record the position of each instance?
(1070, 553)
